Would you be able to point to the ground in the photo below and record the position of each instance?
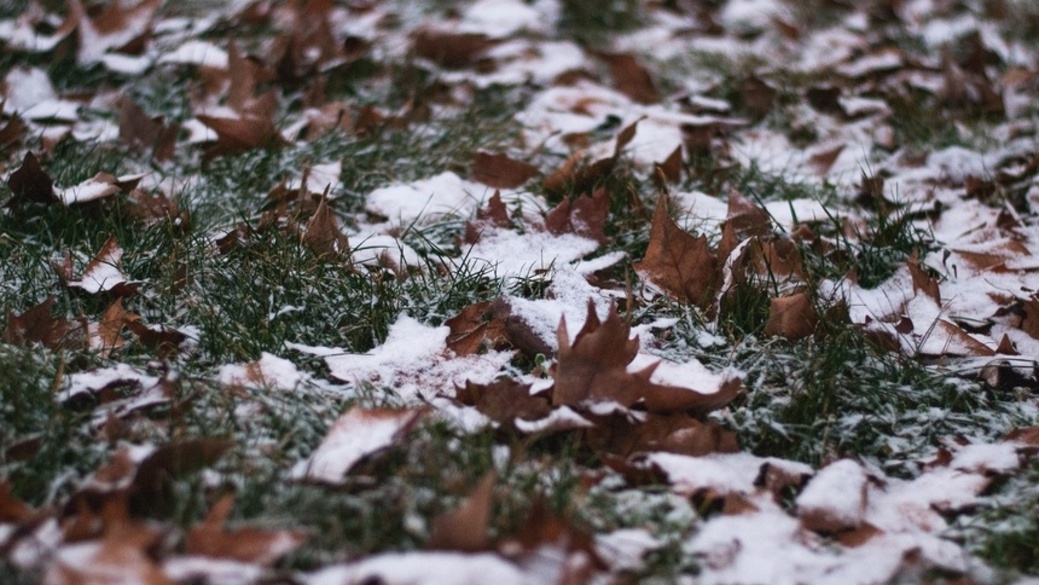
(518, 291)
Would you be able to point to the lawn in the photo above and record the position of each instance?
(511, 291)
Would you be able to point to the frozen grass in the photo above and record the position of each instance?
(810, 401)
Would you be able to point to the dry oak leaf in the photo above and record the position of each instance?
(584, 216)
(12, 510)
(211, 538)
(252, 128)
(923, 282)
(500, 171)
(793, 317)
(581, 179)
(683, 265)
(594, 369)
(465, 527)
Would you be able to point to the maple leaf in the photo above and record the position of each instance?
(478, 327)
(670, 170)
(12, 510)
(504, 401)
(118, 28)
(581, 179)
(594, 368)
(585, 216)
(29, 182)
(164, 341)
(465, 527)
(679, 263)
(106, 335)
(246, 545)
(38, 325)
(104, 272)
(11, 134)
(494, 214)
(631, 78)
(673, 433)
(322, 235)
(500, 171)
(356, 435)
(150, 491)
(137, 128)
(793, 317)
(451, 50)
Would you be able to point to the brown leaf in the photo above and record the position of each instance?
(38, 325)
(110, 328)
(478, 328)
(747, 218)
(253, 128)
(11, 135)
(594, 367)
(500, 171)
(822, 161)
(245, 545)
(12, 510)
(756, 96)
(29, 182)
(104, 272)
(669, 171)
(793, 317)
(165, 341)
(137, 128)
(923, 282)
(631, 78)
(682, 265)
(150, 489)
(451, 50)
(666, 399)
(322, 235)
(673, 433)
(584, 216)
(504, 400)
(465, 527)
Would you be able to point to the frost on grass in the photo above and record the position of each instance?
(578, 264)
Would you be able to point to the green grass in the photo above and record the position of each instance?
(833, 394)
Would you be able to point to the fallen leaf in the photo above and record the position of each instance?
(504, 401)
(12, 510)
(584, 216)
(478, 328)
(29, 182)
(923, 282)
(631, 78)
(500, 171)
(137, 128)
(150, 491)
(38, 325)
(104, 272)
(264, 547)
(673, 433)
(451, 50)
(793, 317)
(356, 435)
(669, 171)
(681, 264)
(465, 527)
(322, 235)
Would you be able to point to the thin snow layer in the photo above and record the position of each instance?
(501, 18)
(838, 493)
(354, 436)
(211, 571)
(427, 199)
(730, 473)
(25, 88)
(89, 190)
(415, 363)
(568, 297)
(196, 52)
(691, 374)
(625, 549)
(92, 381)
(511, 254)
(270, 371)
(426, 568)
